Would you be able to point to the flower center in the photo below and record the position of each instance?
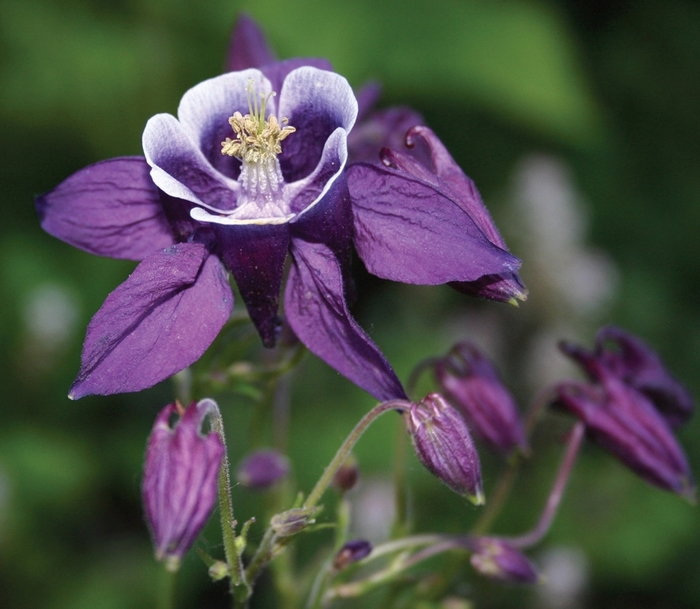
(257, 143)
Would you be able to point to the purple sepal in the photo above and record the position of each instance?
(379, 129)
(444, 446)
(159, 321)
(411, 227)
(262, 469)
(353, 551)
(111, 208)
(180, 479)
(496, 559)
(470, 382)
(248, 47)
(256, 255)
(317, 312)
(623, 421)
(640, 367)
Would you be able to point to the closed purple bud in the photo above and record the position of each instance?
(262, 468)
(500, 561)
(443, 444)
(470, 381)
(351, 552)
(623, 421)
(639, 366)
(180, 479)
(292, 521)
(347, 475)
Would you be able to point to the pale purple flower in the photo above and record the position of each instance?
(190, 213)
(444, 446)
(622, 420)
(470, 381)
(180, 479)
(262, 468)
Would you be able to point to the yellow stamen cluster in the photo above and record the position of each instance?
(257, 138)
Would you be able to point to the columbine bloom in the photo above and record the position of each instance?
(253, 168)
(498, 560)
(639, 366)
(180, 479)
(262, 468)
(470, 381)
(444, 446)
(623, 421)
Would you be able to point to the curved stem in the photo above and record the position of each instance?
(557, 492)
(321, 486)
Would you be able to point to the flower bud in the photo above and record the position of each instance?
(180, 479)
(292, 521)
(351, 552)
(347, 475)
(443, 444)
(262, 468)
(623, 421)
(470, 381)
(498, 560)
(638, 365)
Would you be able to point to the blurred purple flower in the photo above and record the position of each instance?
(639, 366)
(262, 468)
(190, 213)
(498, 560)
(180, 479)
(470, 382)
(623, 421)
(353, 551)
(443, 445)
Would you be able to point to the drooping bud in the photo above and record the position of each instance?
(352, 551)
(347, 475)
(498, 560)
(180, 479)
(471, 383)
(639, 366)
(262, 469)
(443, 444)
(623, 421)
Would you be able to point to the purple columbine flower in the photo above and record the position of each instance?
(498, 560)
(639, 366)
(262, 468)
(444, 446)
(238, 181)
(180, 479)
(623, 421)
(470, 381)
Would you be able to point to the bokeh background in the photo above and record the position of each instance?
(579, 122)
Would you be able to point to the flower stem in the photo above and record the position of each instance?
(166, 592)
(557, 492)
(321, 486)
(239, 586)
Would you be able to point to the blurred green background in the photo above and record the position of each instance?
(579, 122)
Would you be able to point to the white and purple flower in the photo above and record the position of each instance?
(253, 169)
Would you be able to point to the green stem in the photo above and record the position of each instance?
(239, 586)
(166, 592)
(321, 486)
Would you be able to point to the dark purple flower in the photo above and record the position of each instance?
(239, 180)
(419, 219)
(351, 552)
(640, 367)
(444, 446)
(470, 381)
(498, 560)
(262, 468)
(623, 421)
(180, 479)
